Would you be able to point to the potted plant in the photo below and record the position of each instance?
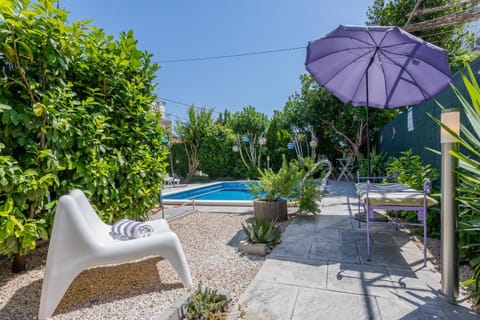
(273, 189)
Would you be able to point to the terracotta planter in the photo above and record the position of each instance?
(270, 210)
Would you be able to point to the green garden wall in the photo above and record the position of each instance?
(396, 137)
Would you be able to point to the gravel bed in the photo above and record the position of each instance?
(143, 289)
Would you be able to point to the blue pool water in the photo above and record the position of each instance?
(218, 191)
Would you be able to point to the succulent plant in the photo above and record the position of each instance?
(262, 231)
(206, 303)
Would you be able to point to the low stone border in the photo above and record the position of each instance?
(259, 249)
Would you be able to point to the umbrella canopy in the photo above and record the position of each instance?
(377, 66)
(401, 68)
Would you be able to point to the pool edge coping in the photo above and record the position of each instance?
(221, 203)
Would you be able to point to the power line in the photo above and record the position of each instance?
(177, 102)
(172, 115)
(231, 55)
(185, 104)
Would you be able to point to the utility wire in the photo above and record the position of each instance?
(231, 55)
(185, 104)
(176, 102)
(172, 115)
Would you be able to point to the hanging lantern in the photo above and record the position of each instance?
(313, 143)
(262, 141)
(246, 139)
(290, 146)
(235, 148)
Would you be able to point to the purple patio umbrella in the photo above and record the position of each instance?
(377, 66)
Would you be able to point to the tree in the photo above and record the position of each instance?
(216, 156)
(278, 136)
(192, 133)
(249, 127)
(334, 122)
(455, 39)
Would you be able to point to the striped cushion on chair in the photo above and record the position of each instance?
(132, 229)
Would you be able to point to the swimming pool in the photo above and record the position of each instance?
(220, 193)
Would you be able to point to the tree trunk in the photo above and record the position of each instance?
(19, 263)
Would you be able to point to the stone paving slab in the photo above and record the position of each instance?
(391, 238)
(360, 279)
(306, 221)
(333, 221)
(296, 230)
(425, 281)
(320, 271)
(353, 236)
(269, 301)
(412, 308)
(327, 235)
(405, 257)
(319, 304)
(342, 252)
(296, 248)
(312, 274)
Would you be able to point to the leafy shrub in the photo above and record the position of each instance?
(19, 231)
(262, 231)
(308, 197)
(19, 234)
(206, 304)
(75, 112)
(474, 284)
(412, 173)
(377, 168)
(411, 170)
(283, 183)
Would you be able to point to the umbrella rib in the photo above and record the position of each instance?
(352, 38)
(368, 46)
(413, 57)
(385, 48)
(423, 92)
(346, 65)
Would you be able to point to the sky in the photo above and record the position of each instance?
(179, 29)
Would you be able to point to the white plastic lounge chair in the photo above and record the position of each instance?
(80, 240)
(171, 180)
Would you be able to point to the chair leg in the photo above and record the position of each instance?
(367, 214)
(425, 238)
(54, 286)
(359, 200)
(176, 257)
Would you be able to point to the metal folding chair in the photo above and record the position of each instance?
(346, 167)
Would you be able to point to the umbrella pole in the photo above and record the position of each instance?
(368, 126)
(368, 143)
(368, 129)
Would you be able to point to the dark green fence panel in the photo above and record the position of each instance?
(421, 132)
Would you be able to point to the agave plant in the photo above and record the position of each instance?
(262, 231)
(469, 182)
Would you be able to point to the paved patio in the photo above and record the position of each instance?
(320, 271)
